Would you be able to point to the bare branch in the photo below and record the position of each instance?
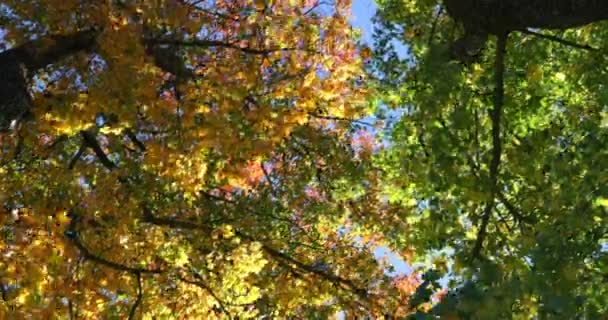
(560, 40)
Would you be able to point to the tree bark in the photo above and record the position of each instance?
(48, 50)
(18, 64)
(483, 17)
(499, 16)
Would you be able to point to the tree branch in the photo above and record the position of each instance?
(434, 25)
(512, 210)
(72, 234)
(39, 53)
(4, 292)
(205, 287)
(278, 256)
(133, 137)
(560, 40)
(89, 140)
(71, 309)
(495, 116)
(77, 156)
(334, 118)
(172, 223)
(221, 44)
(139, 297)
(287, 261)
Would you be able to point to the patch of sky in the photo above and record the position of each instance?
(362, 13)
(362, 18)
(397, 266)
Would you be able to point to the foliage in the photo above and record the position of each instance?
(194, 162)
(216, 160)
(540, 251)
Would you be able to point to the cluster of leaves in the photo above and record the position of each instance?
(195, 162)
(207, 159)
(530, 240)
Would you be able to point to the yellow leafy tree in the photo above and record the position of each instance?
(183, 159)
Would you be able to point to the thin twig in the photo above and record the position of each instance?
(334, 118)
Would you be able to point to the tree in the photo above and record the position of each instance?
(502, 150)
(206, 159)
(185, 158)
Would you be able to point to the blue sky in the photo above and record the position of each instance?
(363, 11)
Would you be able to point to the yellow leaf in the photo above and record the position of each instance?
(309, 79)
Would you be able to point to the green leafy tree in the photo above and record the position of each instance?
(207, 160)
(502, 146)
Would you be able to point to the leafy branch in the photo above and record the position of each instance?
(280, 257)
(199, 283)
(334, 118)
(221, 44)
(73, 235)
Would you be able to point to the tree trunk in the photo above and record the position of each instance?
(499, 16)
(18, 64)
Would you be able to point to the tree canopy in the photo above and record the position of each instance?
(236, 159)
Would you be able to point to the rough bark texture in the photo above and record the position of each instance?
(17, 65)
